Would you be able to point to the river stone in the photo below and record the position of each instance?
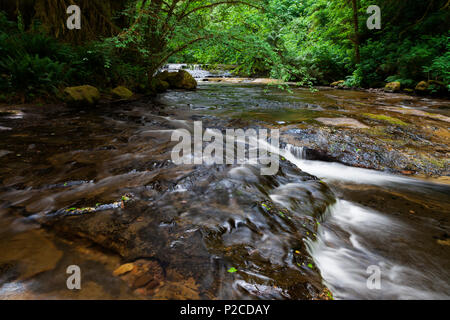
(444, 242)
(163, 76)
(127, 267)
(393, 87)
(159, 86)
(122, 92)
(178, 80)
(82, 95)
(422, 86)
(419, 113)
(228, 80)
(35, 251)
(182, 80)
(342, 122)
(4, 153)
(266, 81)
(339, 83)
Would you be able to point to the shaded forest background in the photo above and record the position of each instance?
(312, 42)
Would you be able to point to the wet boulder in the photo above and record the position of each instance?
(82, 95)
(121, 92)
(157, 85)
(393, 87)
(178, 80)
(437, 87)
(163, 76)
(431, 86)
(422, 87)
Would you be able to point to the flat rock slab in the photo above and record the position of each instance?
(227, 80)
(267, 81)
(419, 113)
(244, 80)
(343, 122)
(29, 254)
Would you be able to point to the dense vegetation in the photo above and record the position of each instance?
(308, 41)
(314, 40)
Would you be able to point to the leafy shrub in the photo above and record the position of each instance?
(32, 74)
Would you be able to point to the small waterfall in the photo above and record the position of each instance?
(353, 239)
(196, 70)
(298, 152)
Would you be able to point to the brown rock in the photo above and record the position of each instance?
(125, 268)
(142, 280)
(337, 83)
(422, 86)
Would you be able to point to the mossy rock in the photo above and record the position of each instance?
(431, 86)
(163, 75)
(122, 92)
(422, 87)
(82, 95)
(158, 85)
(385, 118)
(437, 86)
(393, 86)
(339, 83)
(178, 80)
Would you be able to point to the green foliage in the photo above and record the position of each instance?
(440, 66)
(33, 64)
(30, 64)
(312, 42)
(356, 79)
(32, 74)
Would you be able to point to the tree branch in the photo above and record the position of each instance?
(212, 5)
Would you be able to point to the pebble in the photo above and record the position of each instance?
(123, 269)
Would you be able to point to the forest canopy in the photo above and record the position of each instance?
(312, 42)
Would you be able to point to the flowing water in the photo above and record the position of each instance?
(96, 188)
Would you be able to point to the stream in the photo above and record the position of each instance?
(95, 187)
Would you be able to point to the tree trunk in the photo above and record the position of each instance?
(356, 26)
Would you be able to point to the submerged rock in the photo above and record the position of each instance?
(343, 122)
(82, 95)
(215, 222)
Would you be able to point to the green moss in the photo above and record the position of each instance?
(385, 118)
(439, 163)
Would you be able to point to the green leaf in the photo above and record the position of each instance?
(232, 270)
